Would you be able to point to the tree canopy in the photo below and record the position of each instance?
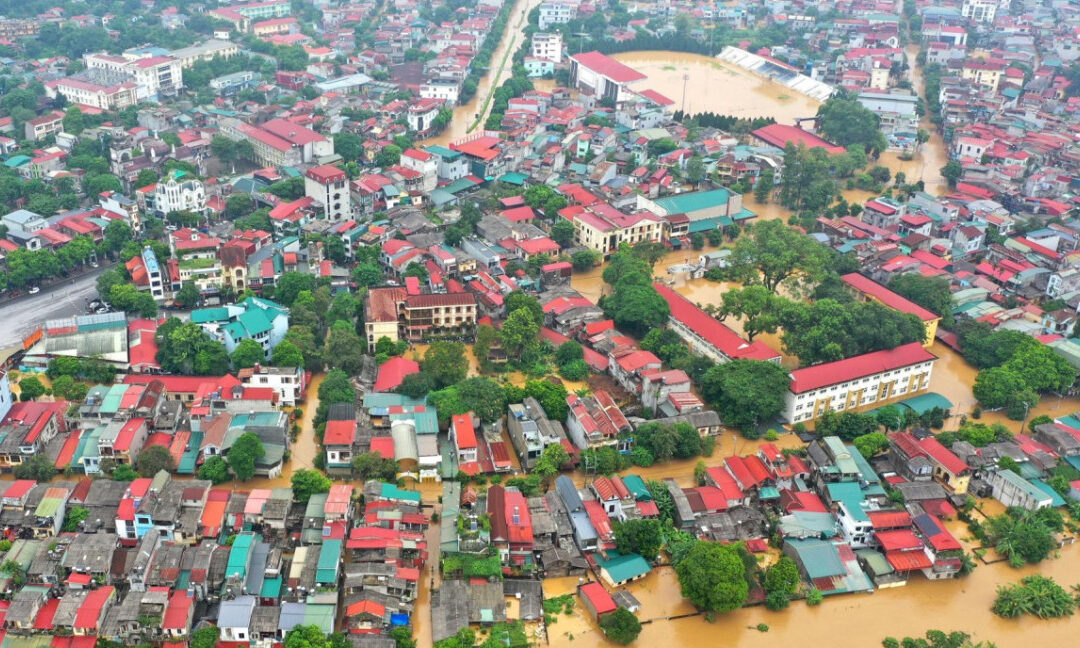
(770, 253)
(845, 121)
(306, 483)
(713, 577)
(746, 393)
(154, 459)
(244, 453)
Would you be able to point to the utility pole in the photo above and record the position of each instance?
(685, 78)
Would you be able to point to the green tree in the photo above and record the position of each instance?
(304, 339)
(344, 349)
(205, 637)
(713, 577)
(367, 275)
(482, 396)
(73, 518)
(415, 385)
(562, 232)
(932, 293)
(388, 156)
(871, 444)
(188, 297)
(642, 537)
(216, 470)
(154, 459)
(781, 582)
(290, 284)
(997, 386)
(244, 453)
(760, 308)
(30, 388)
(621, 626)
(247, 354)
(583, 260)
(238, 205)
(287, 354)
(306, 483)
(770, 253)
(847, 122)
(374, 466)
(952, 171)
(764, 186)
(445, 363)
(520, 336)
(746, 392)
(66, 388)
(38, 467)
(349, 146)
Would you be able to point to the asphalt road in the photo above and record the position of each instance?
(18, 317)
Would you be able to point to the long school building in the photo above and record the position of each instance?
(862, 380)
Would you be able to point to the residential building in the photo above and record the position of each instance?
(289, 383)
(446, 90)
(861, 380)
(1013, 490)
(381, 312)
(596, 421)
(41, 127)
(463, 436)
(980, 11)
(547, 46)
(252, 319)
(155, 77)
(557, 12)
(329, 187)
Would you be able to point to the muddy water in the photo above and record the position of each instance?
(466, 114)
(716, 86)
(304, 448)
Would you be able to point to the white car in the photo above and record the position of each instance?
(34, 290)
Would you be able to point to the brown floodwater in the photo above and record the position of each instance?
(466, 114)
(712, 85)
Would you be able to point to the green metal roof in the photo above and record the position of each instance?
(191, 455)
(391, 491)
(625, 567)
(769, 492)
(203, 315)
(636, 485)
(923, 403)
(271, 587)
(819, 558)
(1022, 484)
(514, 178)
(329, 559)
(694, 201)
(48, 507)
(852, 495)
(239, 555)
(1056, 499)
(321, 615)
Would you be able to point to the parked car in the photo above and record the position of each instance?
(34, 290)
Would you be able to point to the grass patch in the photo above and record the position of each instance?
(669, 68)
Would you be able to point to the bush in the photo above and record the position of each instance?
(1037, 595)
(814, 596)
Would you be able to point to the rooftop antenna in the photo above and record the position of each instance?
(685, 78)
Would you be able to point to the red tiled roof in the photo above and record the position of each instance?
(887, 297)
(608, 67)
(868, 364)
(90, 611)
(908, 560)
(889, 519)
(712, 331)
(384, 446)
(779, 135)
(393, 372)
(339, 433)
(898, 540)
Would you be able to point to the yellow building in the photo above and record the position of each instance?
(603, 228)
(867, 289)
(984, 73)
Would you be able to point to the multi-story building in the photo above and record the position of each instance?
(279, 142)
(604, 228)
(978, 11)
(985, 73)
(39, 128)
(866, 289)
(557, 12)
(205, 51)
(12, 28)
(288, 382)
(449, 314)
(423, 163)
(422, 114)
(147, 274)
(447, 90)
(176, 193)
(896, 111)
(861, 380)
(381, 314)
(329, 186)
(116, 96)
(153, 76)
(252, 319)
(548, 46)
